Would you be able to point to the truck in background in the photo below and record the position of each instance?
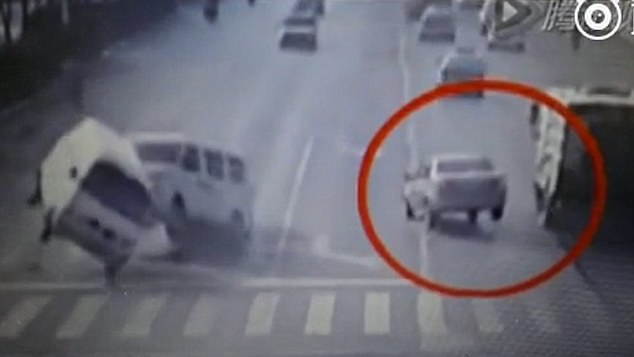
(563, 182)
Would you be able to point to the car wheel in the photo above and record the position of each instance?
(178, 212)
(409, 212)
(497, 213)
(433, 219)
(473, 216)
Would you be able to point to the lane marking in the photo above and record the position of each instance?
(292, 202)
(261, 313)
(19, 317)
(486, 317)
(376, 317)
(319, 316)
(431, 318)
(139, 322)
(321, 248)
(199, 320)
(84, 312)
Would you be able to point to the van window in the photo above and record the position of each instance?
(159, 153)
(237, 170)
(190, 160)
(214, 163)
(114, 189)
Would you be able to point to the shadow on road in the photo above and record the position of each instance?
(457, 226)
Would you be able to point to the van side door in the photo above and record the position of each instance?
(191, 180)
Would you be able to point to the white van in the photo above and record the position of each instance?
(94, 192)
(194, 181)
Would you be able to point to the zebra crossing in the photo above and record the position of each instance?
(375, 312)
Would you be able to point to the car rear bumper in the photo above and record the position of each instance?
(468, 202)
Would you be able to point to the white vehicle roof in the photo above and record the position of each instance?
(464, 58)
(300, 29)
(593, 95)
(82, 146)
(179, 138)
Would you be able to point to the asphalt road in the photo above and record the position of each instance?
(311, 283)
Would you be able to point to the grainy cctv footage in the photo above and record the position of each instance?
(264, 178)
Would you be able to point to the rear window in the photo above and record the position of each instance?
(237, 170)
(159, 153)
(109, 185)
(439, 21)
(458, 166)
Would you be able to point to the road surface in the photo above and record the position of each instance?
(310, 284)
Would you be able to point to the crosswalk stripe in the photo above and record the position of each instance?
(430, 314)
(82, 315)
(320, 312)
(139, 322)
(200, 317)
(19, 317)
(377, 313)
(260, 318)
(486, 318)
(544, 319)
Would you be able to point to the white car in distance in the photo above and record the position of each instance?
(197, 182)
(455, 183)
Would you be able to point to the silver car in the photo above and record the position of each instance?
(461, 64)
(455, 183)
(437, 24)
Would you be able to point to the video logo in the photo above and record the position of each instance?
(598, 19)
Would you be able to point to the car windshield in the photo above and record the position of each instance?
(108, 184)
(158, 152)
(464, 166)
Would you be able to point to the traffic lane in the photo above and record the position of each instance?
(359, 85)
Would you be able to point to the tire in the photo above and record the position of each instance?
(178, 211)
(433, 219)
(409, 212)
(472, 216)
(483, 30)
(497, 213)
(543, 206)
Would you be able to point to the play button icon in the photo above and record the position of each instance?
(511, 17)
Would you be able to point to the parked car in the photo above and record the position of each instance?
(437, 24)
(197, 182)
(461, 64)
(455, 183)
